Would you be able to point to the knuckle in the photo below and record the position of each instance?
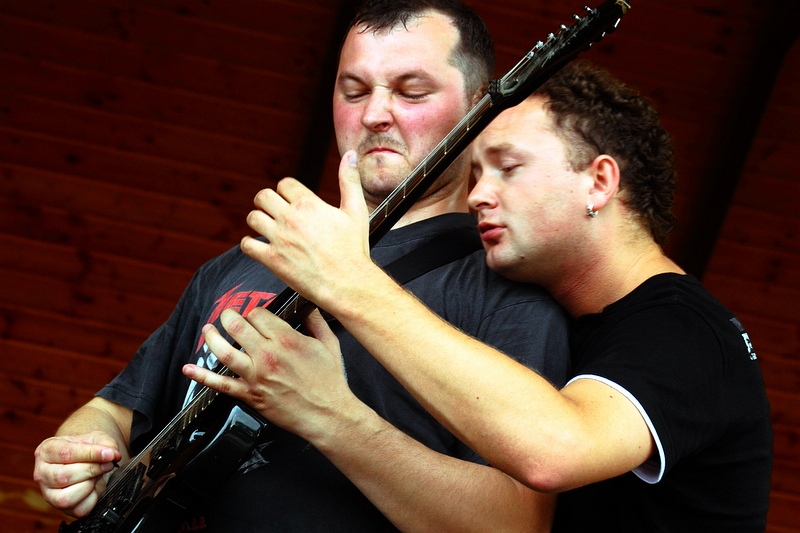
(266, 357)
(65, 455)
(236, 325)
(62, 478)
(61, 500)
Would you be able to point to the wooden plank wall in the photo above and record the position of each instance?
(133, 135)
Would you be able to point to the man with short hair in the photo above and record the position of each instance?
(350, 452)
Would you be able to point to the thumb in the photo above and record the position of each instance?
(352, 195)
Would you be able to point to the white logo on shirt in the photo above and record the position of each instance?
(746, 338)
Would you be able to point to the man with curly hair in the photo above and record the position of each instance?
(665, 423)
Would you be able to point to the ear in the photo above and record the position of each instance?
(604, 172)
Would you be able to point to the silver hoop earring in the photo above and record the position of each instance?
(590, 211)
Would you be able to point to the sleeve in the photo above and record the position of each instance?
(152, 380)
(648, 358)
(152, 384)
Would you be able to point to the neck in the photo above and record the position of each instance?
(444, 196)
(609, 276)
(423, 210)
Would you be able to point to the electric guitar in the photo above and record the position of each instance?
(214, 434)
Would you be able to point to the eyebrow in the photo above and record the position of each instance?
(501, 148)
(496, 150)
(414, 75)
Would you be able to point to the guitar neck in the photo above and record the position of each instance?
(536, 67)
(405, 195)
(531, 72)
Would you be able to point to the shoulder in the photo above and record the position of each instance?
(493, 292)
(233, 263)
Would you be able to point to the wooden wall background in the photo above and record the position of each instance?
(134, 134)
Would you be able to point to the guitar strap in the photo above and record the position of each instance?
(439, 251)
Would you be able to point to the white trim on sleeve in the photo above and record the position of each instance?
(652, 470)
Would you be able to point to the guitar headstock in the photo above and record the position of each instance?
(547, 57)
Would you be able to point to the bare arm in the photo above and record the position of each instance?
(70, 467)
(421, 490)
(298, 383)
(550, 440)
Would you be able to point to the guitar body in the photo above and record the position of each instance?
(152, 493)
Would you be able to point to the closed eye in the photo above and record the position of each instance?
(353, 96)
(414, 96)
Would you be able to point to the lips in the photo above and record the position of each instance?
(490, 232)
(380, 144)
(380, 150)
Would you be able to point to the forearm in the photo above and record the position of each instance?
(100, 415)
(486, 398)
(422, 490)
(297, 382)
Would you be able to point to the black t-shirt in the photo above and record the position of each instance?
(288, 485)
(690, 365)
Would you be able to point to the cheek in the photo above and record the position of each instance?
(347, 124)
(535, 209)
(427, 125)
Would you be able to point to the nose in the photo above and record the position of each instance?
(481, 195)
(377, 115)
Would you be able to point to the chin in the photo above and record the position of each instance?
(506, 267)
(381, 176)
(495, 263)
(379, 187)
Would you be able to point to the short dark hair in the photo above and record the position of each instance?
(473, 54)
(595, 114)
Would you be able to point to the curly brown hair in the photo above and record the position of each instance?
(595, 114)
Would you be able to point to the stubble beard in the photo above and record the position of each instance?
(379, 177)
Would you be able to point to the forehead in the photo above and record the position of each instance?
(525, 126)
(425, 44)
